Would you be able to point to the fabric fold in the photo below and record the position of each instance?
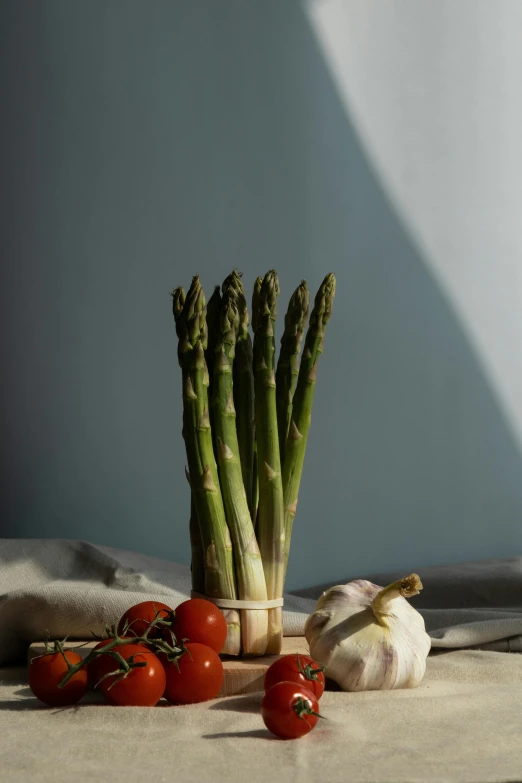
(74, 588)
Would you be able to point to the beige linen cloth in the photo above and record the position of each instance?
(73, 588)
(463, 724)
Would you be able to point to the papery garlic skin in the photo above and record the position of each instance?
(369, 637)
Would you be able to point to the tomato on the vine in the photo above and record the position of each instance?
(289, 710)
(103, 664)
(136, 620)
(198, 620)
(197, 676)
(297, 668)
(46, 673)
(93, 666)
(141, 687)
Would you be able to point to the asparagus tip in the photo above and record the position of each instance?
(178, 300)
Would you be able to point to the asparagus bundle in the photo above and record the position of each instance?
(245, 426)
(220, 580)
(249, 567)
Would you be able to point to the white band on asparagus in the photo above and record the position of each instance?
(228, 603)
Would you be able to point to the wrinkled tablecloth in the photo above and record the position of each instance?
(73, 588)
(463, 724)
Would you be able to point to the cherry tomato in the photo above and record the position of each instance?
(142, 687)
(93, 667)
(141, 615)
(200, 621)
(297, 668)
(46, 673)
(102, 664)
(198, 678)
(289, 710)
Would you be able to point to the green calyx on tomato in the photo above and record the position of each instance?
(312, 670)
(175, 656)
(302, 707)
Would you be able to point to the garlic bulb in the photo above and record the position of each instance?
(369, 637)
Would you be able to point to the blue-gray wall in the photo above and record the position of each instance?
(144, 142)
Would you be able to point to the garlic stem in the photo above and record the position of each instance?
(382, 603)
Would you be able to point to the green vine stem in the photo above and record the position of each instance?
(173, 651)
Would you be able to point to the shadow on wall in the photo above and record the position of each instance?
(142, 146)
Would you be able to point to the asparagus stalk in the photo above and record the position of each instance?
(255, 479)
(243, 375)
(197, 561)
(302, 403)
(191, 329)
(255, 302)
(213, 311)
(288, 363)
(178, 300)
(197, 568)
(249, 567)
(213, 308)
(271, 523)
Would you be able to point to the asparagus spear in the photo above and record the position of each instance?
(197, 568)
(271, 524)
(178, 300)
(255, 302)
(197, 562)
(288, 363)
(213, 309)
(244, 389)
(191, 329)
(249, 567)
(302, 403)
(255, 480)
(197, 559)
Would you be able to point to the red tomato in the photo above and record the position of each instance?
(93, 667)
(142, 687)
(200, 621)
(289, 710)
(199, 677)
(141, 615)
(297, 668)
(102, 664)
(46, 673)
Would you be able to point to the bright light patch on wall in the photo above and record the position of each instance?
(433, 90)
